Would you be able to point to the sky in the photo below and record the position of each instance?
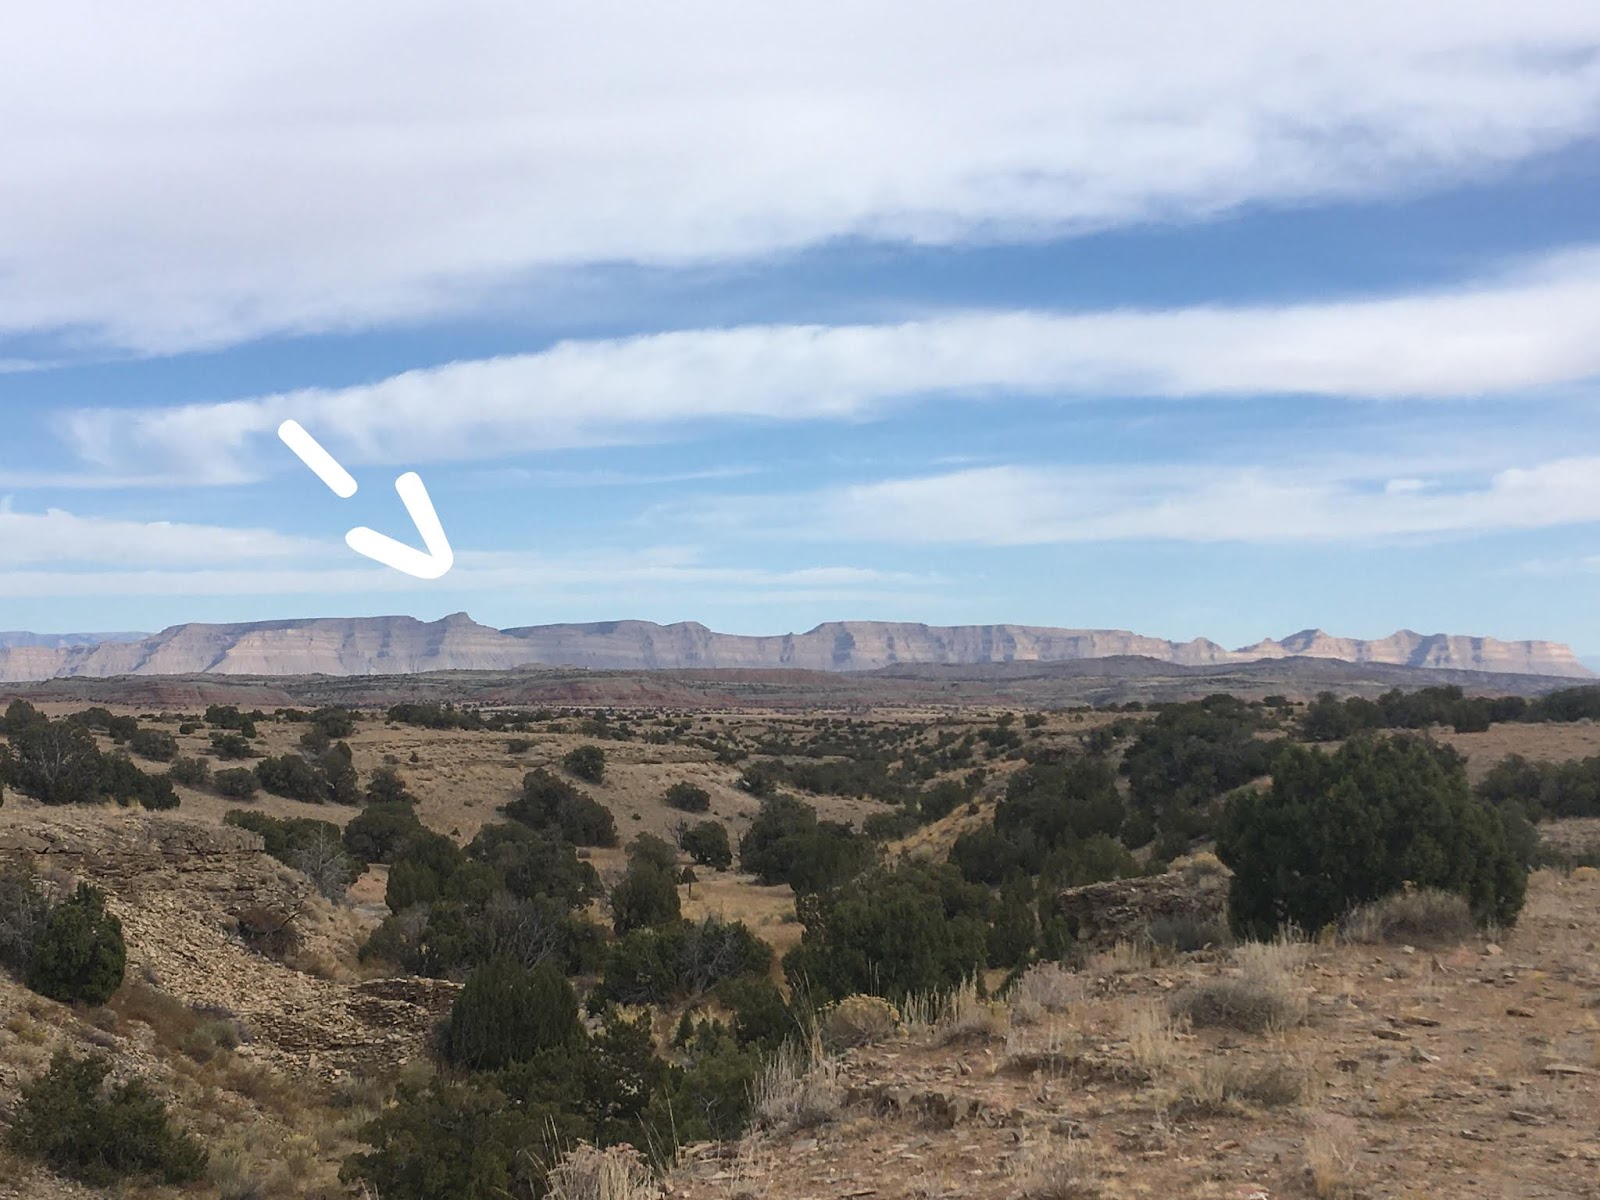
(1221, 320)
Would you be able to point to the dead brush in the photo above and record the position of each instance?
(1048, 986)
(1425, 917)
(615, 1173)
(798, 1089)
(1055, 1048)
(1152, 1040)
(964, 1016)
(858, 1021)
(1123, 958)
(1330, 1164)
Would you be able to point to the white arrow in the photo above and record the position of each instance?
(433, 563)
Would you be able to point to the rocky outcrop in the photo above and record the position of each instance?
(1123, 910)
(180, 888)
(133, 855)
(402, 645)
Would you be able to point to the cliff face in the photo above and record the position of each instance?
(402, 645)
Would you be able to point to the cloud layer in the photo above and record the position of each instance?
(195, 175)
(1538, 327)
(1019, 506)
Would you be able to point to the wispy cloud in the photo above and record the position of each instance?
(58, 538)
(602, 577)
(1018, 506)
(201, 177)
(1536, 327)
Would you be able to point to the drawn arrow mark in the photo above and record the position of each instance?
(434, 562)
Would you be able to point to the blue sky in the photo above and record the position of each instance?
(1223, 323)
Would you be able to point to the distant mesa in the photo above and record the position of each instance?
(404, 645)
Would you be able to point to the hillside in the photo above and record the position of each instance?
(1116, 680)
(403, 645)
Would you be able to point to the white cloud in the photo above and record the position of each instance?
(182, 174)
(1018, 506)
(1537, 327)
(57, 538)
(528, 576)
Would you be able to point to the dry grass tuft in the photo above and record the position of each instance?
(964, 1016)
(1122, 959)
(1330, 1164)
(1055, 1169)
(1263, 998)
(798, 1089)
(1216, 1087)
(858, 1021)
(1054, 1047)
(1152, 1041)
(1417, 916)
(1050, 986)
(616, 1173)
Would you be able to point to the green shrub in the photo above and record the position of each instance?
(684, 959)
(292, 777)
(231, 746)
(71, 1120)
(191, 772)
(549, 802)
(507, 1014)
(761, 1016)
(587, 763)
(787, 844)
(333, 723)
(122, 781)
(892, 933)
(533, 863)
(687, 797)
(1334, 832)
(236, 783)
(80, 957)
(646, 895)
(18, 716)
(154, 744)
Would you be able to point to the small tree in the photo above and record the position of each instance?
(55, 762)
(24, 913)
(388, 786)
(707, 843)
(102, 1136)
(321, 857)
(380, 831)
(80, 957)
(659, 852)
(587, 763)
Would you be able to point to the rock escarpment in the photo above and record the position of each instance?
(403, 645)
